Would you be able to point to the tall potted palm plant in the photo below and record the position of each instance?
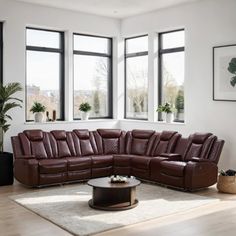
(7, 102)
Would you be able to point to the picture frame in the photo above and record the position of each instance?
(224, 73)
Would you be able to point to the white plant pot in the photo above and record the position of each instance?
(169, 117)
(38, 117)
(84, 115)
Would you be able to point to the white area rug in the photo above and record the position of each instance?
(67, 207)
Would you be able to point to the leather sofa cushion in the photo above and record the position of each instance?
(34, 135)
(59, 134)
(143, 134)
(141, 162)
(122, 160)
(139, 146)
(167, 135)
(38, 149)
(109, 133)
(111, 146)
(79, 163)
(200, 138)
(102, 161)
(173, 168)
(82, 133)
(86, 147)
(52, 166)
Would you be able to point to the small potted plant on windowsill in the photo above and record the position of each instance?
(168, 110)
(7, 102)
(38, 109)
(85, 108)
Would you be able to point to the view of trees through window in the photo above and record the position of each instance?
(92, 75)
(136, 64)
(44, 74)
(171, 66)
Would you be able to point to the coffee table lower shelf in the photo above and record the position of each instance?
(113, 207)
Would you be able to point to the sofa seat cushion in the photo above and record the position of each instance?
(52, 166)
(102, 161)
(122, 159)
(173, 168)
(141, 162)
(78, 163)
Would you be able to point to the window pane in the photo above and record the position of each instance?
(91, 44)
(91, 75)
(43, 81)
(173, 82)
(139, 44)
(41, 38)
(173, 39)
(137, 87)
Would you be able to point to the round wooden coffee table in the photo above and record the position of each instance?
(113, 196)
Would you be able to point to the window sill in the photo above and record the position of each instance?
(70, 122)
(153, 122)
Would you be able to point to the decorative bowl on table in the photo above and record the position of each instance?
(118, 179)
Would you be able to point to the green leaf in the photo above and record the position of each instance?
(232, 66)
(233, 81)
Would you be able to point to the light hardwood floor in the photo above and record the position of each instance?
(203, 221)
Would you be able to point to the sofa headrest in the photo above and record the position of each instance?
(59, 134)
(145, 134)
(167, 135)
(82, 133)
(109, 133)
(200, 138)
(34, 135)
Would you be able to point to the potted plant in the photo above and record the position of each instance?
(38, 109)
(7, 102)
(85, 108)
(167, 109)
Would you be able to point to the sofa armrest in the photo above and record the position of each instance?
(200, 174)
(197, 159)
(172, 156)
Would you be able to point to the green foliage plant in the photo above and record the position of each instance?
(7, 102)
(166, 108)
(85, 107)
(38, 107)
(232, 70)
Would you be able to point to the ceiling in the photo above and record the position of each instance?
(111, 8)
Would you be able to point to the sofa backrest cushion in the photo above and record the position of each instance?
(87, 144)
(139, 142)
(110, 141)
(165, 142)
(60, 142)
(35, 142)
(199, 145)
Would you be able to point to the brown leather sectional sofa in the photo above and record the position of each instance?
(45, 158)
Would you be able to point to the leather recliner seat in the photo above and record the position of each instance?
(44, 158)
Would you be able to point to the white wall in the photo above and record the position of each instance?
(16, 17)
(207, 23)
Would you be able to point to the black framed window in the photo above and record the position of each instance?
(136, 77)
(1, 52)
(93, 74)
(171, 72)
(45, 71)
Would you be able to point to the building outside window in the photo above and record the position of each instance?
(171, 71)
(136, 78)
(93, 75)
(45, 71)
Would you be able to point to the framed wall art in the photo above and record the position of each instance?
(224, 73)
